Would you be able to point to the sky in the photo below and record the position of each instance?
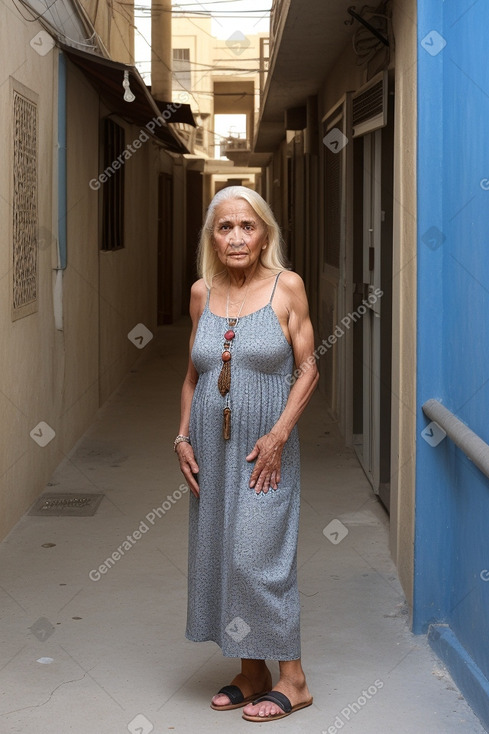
(248, 16)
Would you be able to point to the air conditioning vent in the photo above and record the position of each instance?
(369, 106)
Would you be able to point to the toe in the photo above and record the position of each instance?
(221, 700)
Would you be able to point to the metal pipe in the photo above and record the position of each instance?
(367, 25)
(462, 436)
(62, 165)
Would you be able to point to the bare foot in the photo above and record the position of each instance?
(249, 686)
(296, 691)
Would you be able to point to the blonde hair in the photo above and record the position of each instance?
(272, 258)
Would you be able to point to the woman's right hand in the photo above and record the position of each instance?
(188, 466)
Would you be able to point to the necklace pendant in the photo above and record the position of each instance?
(226, 424)
(232, 322)
(229, 335)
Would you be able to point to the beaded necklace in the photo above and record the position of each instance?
(224, 380)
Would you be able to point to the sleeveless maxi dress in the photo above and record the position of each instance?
(242, 568)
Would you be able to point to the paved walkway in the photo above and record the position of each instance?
(109, 655)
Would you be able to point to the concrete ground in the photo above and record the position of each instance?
(85, 651)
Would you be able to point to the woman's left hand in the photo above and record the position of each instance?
(268, 454)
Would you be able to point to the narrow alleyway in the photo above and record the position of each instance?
(107, 652)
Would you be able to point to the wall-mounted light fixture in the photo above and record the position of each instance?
(128, 95)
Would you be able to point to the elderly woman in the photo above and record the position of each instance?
(238, 450)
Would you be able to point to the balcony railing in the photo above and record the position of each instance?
(236, 149)
(275, 15)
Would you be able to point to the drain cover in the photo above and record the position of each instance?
(67, 505)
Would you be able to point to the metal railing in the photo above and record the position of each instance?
(462, 436)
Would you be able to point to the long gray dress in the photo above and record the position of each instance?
(242, 582)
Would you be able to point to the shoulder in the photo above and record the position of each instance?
(289, 279)
(290, 288)
(291, 297)
(198, 291)
(198, 296)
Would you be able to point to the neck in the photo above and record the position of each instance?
(242, 278)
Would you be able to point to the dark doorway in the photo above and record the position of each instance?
(165, 249)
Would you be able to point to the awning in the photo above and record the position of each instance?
(182, 114)
(107, 77)
(307, 40)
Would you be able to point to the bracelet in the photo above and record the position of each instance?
(179, 439)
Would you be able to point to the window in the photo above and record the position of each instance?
(113, 187)
(181, 69)
(24, 203)
(199, 136)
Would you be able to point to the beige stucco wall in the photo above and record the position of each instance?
(403, 414)
(114, 24)
(345, 76)
(128, 277)
(62, 375)
(29, 352)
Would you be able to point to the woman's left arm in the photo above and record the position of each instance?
(268, 449)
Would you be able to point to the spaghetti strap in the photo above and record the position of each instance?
(208, 297)
(274, 286)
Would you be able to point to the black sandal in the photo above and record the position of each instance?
(281, 700)
(236, 697)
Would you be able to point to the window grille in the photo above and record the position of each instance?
(24, 207)
(113, 187)
(181, 69)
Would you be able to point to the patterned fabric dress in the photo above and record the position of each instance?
(242, 582)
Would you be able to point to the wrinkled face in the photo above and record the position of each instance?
(238, 235)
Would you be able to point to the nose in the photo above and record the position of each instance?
(235, 237)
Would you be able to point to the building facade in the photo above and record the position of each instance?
(374, 122)
(87, 220)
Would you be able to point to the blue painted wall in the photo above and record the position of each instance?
(452, 496)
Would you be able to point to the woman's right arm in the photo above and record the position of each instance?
(184, 450)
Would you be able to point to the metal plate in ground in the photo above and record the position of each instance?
(67, 505)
